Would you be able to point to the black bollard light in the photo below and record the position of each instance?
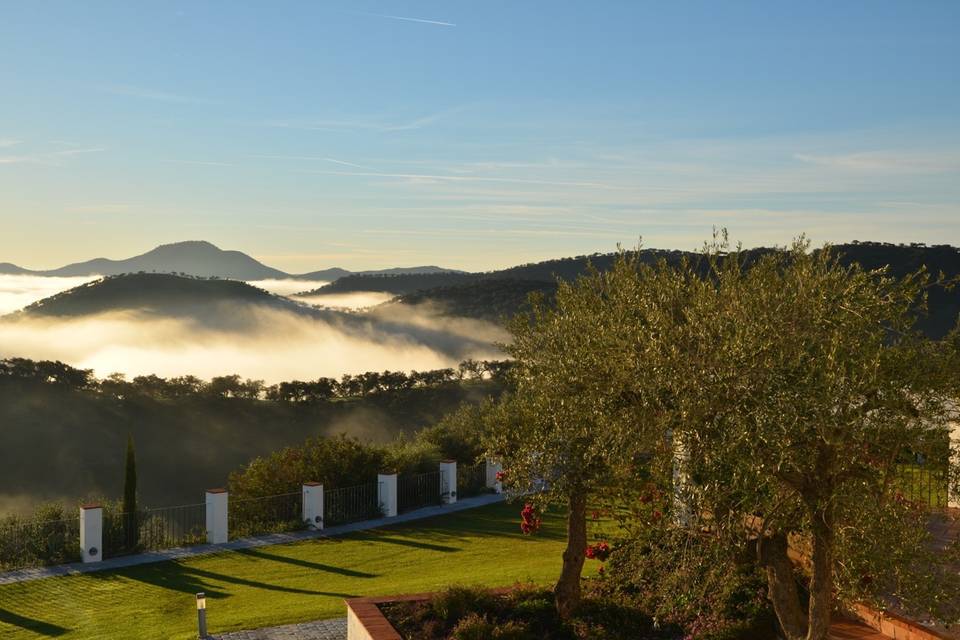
(202, 615)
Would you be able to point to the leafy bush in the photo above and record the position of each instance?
(477, 627)
(687, 579)
(525, 613)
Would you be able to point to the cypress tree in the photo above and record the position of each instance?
(131, 520)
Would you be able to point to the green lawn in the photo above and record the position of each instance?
(286, 583)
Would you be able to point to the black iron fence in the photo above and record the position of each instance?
(926, 484)
(270, 514)
(56, 539)
(471, 480)
(153, 529)
(36, 543)
(351, 504)
(418, 491)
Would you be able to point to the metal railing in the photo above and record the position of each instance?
(25, 543)
(926, 484)
(351, 504)
(471, 480)
(153, 529)
(270, 514)
(418, 491)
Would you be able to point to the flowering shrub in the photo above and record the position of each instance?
(691, 581)
(599, 551)
(529, 519)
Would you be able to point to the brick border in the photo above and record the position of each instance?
(365, 621)
(895, 626)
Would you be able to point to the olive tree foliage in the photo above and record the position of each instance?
(572, 423)
(796, 384)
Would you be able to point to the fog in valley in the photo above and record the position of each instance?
(353, 300)
(17, 291)
(287, 287)
(254, 342)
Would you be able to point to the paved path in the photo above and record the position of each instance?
(335, 629)
(26, 575)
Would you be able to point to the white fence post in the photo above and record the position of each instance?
(91, 533)
(448, 481)
(387, 493)
(954, 468)
(313, 505)
(683, 514)
(217, 516)
(493, 468)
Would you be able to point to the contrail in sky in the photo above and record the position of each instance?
(437, 22)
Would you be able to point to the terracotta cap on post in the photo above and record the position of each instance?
(92, 505)
(312, 484)
(218, 490)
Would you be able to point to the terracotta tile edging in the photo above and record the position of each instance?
(365, 621)
(896, 626)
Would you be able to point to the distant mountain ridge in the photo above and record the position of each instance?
(198, 258)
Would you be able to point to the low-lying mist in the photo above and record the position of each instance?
(270, 345)
(287, 287)
(18, 291)
(355, 300)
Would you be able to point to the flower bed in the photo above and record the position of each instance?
(521, 613)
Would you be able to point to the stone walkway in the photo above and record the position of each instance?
(26, 575)
(335, 629)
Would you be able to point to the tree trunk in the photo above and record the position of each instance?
(567, 591)
(782, 586)
(821, 579)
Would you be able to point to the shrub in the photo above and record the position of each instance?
(690, 580)
(477, 627)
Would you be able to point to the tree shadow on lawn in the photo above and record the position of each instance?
(307, 564)
(30, 624)
(501, 521)
(175, 576)
(383, 536)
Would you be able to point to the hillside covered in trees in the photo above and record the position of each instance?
(63, 431)
(500, 294)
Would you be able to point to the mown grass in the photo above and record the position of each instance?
(286, 583)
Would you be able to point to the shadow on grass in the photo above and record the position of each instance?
(175, 576)
(494, 521)
(31, 624)
(380, 537)
(307, 564)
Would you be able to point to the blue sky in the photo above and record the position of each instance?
(472, 134)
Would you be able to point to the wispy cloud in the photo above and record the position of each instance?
(153, 94)
(427, 178)
(209, 163)
(886, 161)
(440, 23)
(308, 159)
(47, 157)
(8, 142)
(352, 125)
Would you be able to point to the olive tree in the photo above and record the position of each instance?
(572, 422)
(796, 384)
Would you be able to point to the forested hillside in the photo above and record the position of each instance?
(63, 433)
(501, 294)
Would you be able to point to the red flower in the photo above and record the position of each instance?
(529, 519)
(596, 515)
(500, 476)
(657, 515)
(599, 551)
(600, 570)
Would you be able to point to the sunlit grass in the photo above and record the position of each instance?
(287, 583)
